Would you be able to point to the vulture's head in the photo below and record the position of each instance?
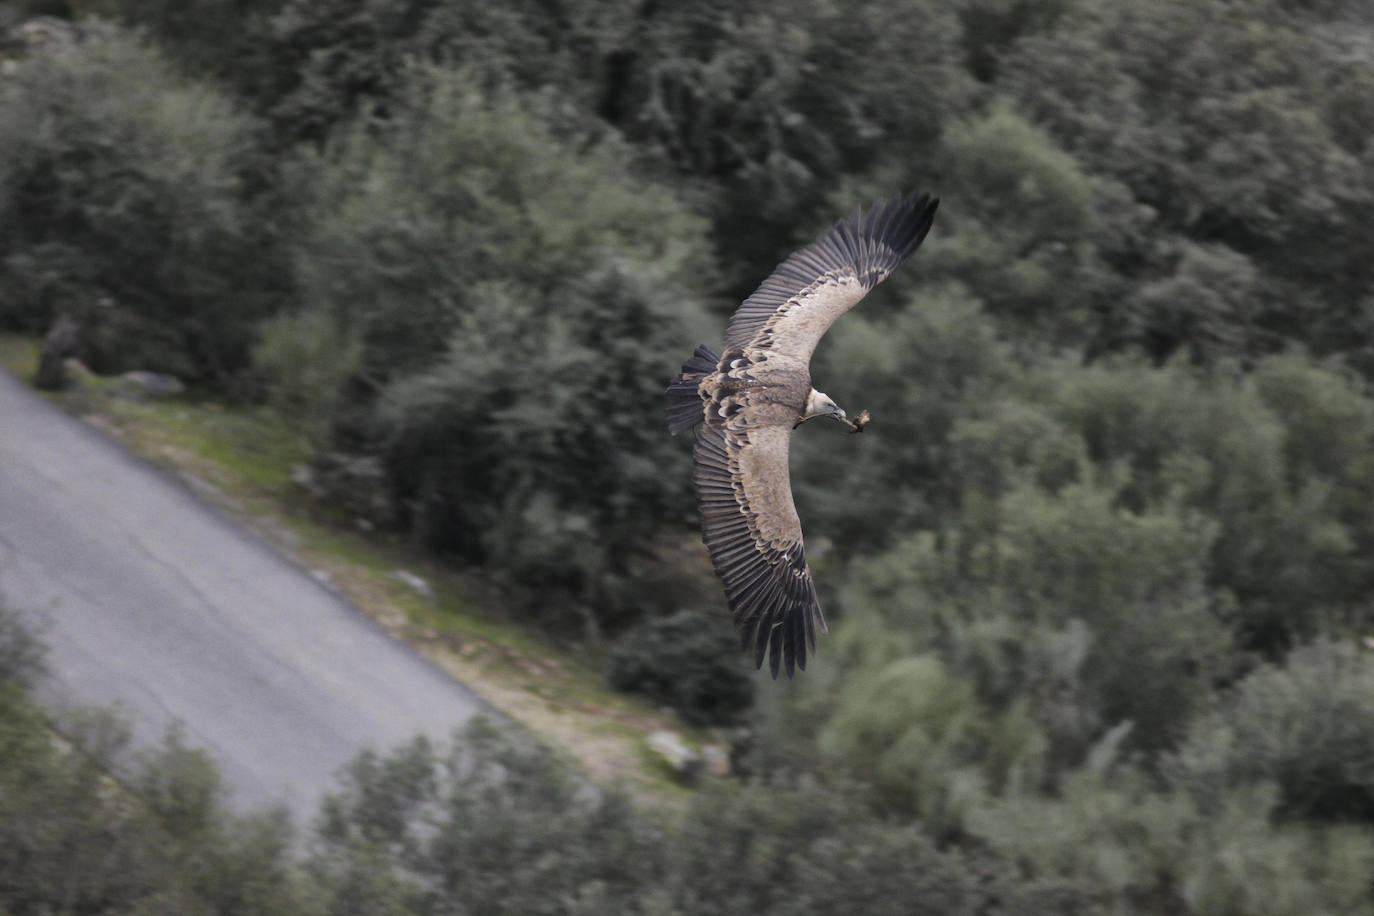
(819, 404)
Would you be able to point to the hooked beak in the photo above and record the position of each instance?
(834, 413)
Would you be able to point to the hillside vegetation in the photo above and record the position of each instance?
(1101, 574)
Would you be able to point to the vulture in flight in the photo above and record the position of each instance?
(748, 400)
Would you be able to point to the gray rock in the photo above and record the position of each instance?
(421, 587)
(716, 759)
(155, 385)
(685, 763)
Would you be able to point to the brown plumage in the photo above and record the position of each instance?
(748, 400)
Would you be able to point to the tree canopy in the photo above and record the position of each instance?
(1101, 574)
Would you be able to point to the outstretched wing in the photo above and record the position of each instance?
(749, 522)
(804, 295)
(752, 532)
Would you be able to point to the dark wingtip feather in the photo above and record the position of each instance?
(684, 403)
(781, 626)
(892, 231)
(871, 244)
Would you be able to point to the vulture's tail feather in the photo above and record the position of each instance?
(684, 403)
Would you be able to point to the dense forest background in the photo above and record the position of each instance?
(1101, 574)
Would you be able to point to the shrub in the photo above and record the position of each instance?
(798, 846)
(1306, 726)
(305, 360)
(72, 839)
(465, 202)
(689, 661)
(1135, 849)
(124, 203)
(1240, 455)
(520, 299)
(496, 824)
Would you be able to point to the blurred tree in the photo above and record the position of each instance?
(210, 38)
(918, 370)
(689, 661)
(1215, 116)
(499, 826)
(992, 27)
(1133, 848)
(520, 299)
(759, 109)
(495, 825)
(411, 223)
(21, 655)
(1206, 305)
(797, 846)
(123, 203)
(306, 362)
(1024, 234)
(536, 446)
(1306, 727)
(1090, 615)
(72, 839)
(1285, 547)
(916, 734)
(326, 63)
(763, 108)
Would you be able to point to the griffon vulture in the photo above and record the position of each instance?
(747, 402)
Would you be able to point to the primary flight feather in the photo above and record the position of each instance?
(748, 400)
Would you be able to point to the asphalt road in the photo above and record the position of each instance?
(154, 603)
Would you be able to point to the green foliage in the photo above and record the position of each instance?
(1116, 539)
(1306, 727)
(802, 847)
(1105, 493)
(536, 445)
(1138, 849)
(123, 202)
(1217, 116)
(1065, 609)
(1206, 304)
(473, 202)
(496, 825)
(905, 728)
(991, 28)
(211, 37)
(323, 63)
(918, 370)
(688, 661)
(1024, 239)
(74, 840)
(1135, 580)
(1286, 544)
(306, 360)
(519, 301)
(773, 103)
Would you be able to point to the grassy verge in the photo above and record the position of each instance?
(240, 460)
